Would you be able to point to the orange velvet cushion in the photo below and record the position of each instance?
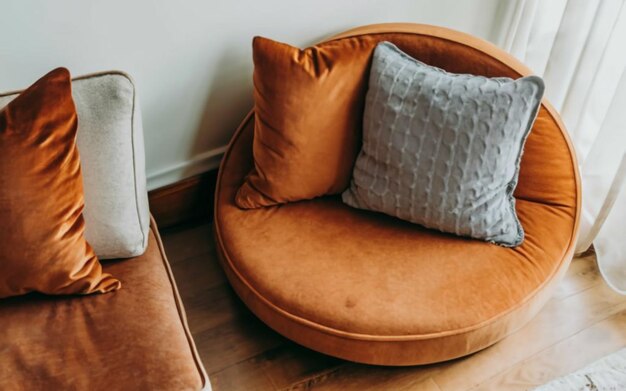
(42, 247)
(134, 340)
(308, 106)
(367, 287)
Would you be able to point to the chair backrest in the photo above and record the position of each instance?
(549, 171)
(110, 143)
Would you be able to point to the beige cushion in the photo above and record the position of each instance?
(110, 142)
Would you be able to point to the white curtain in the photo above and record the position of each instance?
(579, 48)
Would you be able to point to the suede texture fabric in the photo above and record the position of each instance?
(110, 142)
(42, 243)
(442, 149)
(309, 105)
(371, 288)
(135, 339)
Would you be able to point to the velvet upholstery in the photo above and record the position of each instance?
(309, 105)
(42, 243)
(371, 288)
(135, 339)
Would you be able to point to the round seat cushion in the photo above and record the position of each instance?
(370, 288)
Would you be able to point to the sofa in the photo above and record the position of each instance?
(370, 288)
(136, 338)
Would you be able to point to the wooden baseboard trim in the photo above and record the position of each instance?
(183, 203)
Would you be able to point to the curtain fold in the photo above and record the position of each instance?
(579, 48)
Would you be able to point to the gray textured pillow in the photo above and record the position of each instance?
(441, 149)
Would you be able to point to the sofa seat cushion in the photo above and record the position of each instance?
(371, 288)
(134, 339)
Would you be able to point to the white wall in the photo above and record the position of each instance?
(191, 59)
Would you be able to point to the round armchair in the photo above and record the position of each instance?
(370, 288)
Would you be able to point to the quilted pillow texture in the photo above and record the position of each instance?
(442, 149)
(110, 141)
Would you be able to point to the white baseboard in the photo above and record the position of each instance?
(198, 164)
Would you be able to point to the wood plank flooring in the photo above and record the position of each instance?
(583, 322)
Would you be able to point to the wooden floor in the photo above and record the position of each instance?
(583, 322)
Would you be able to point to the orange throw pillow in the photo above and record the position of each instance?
(308, 114)
(42, 247)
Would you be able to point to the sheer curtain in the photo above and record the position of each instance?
(579, 48)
